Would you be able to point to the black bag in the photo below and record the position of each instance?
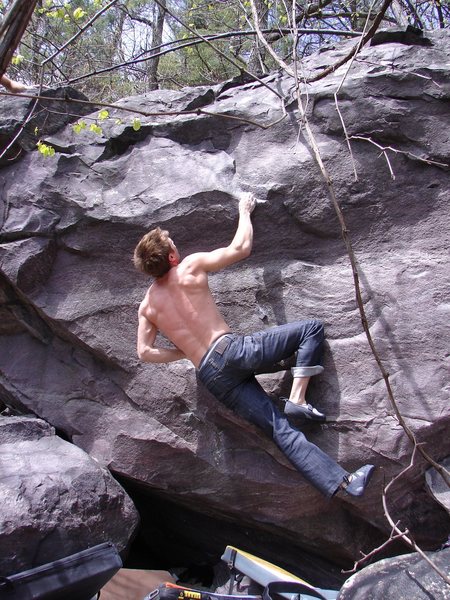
(76, 577)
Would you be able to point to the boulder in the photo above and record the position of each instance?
(26, 118)
(436, 485)
(55, 499)
(403, 578)
(70, 294)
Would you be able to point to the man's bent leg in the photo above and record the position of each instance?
(308, 363)
(309, 354)
(260, 351)
(298, 390)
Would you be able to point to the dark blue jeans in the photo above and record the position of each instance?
(227, 371)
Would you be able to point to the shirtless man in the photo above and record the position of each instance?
(179, 304)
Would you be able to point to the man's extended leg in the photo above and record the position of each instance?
(251, 401)
(226, 372)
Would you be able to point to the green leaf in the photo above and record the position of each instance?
(118, 121)
(59, 13)
(136, 123)
(36, 130)
(96, 129)
(79, 126)
(17, 59)
(78, 13)
(45, 149)
(103, 114)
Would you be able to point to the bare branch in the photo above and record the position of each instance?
(176, 45)
(393, 537)
(404, 534)
(222, 54)
(384, 150)
(89, 23)
(339, 89)
(355, 48)
(330, 187)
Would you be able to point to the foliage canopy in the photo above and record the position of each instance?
(110, 48)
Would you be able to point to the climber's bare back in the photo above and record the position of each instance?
(181, 307)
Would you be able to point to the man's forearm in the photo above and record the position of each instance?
(243, 238)
(160, 355)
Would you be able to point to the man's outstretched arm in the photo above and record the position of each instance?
(240, 246)
(145, 344)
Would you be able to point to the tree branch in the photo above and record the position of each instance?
(348, 244)
(355, 48)
(384, 150)
(404, 534)
(195, 40)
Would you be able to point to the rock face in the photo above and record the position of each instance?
(70, 294)
(403, 578)
(55, 499)
(53, 110)
(437, 486)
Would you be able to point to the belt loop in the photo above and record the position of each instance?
(222, 344)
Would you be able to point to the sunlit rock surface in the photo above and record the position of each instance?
(403, 578)
(55, 500)
(70, 294)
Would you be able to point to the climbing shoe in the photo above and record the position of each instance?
(305, 412)
(356, 483)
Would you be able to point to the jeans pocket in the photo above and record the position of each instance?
(247, 356)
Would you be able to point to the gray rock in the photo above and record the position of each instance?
(437, 486)
(409, 577)
(36, 117)
(55, 499)
(70, 294)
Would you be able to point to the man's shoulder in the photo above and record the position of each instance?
(145, 302)
(193, 262)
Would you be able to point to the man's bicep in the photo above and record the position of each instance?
(146, 330)
(214, 260)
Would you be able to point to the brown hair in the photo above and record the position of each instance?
(151, 255)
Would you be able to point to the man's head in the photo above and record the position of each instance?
(155, 253)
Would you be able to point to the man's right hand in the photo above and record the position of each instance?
(247, 203)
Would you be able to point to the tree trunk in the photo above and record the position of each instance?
(256, 62)
(12, 28)
(157, 32)
(399, 14)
